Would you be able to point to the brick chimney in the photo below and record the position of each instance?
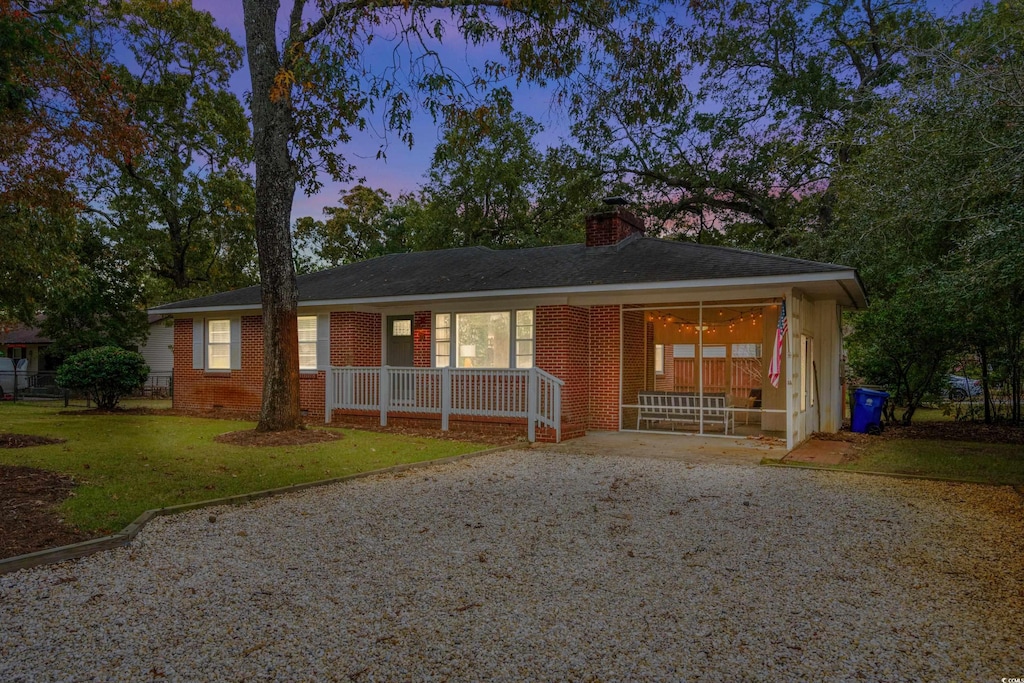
(612, 224)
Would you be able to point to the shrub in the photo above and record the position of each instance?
(105, 374)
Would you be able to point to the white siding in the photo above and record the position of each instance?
(820, 321)
(157, 348)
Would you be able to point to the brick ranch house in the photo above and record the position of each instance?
(624, 332)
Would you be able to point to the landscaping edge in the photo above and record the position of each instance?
(126, 535)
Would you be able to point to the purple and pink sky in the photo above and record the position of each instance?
(404, 169)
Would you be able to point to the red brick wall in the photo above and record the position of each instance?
(232, 391)
(235, 391)
(422, 353)
(563, 348)
(667, 381)
(312, 394)
(604, 367)
(576, 344)
(635, 364)
(355, 339)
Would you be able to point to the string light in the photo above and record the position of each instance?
(750, 315)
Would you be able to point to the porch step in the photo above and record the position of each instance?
(570, 430)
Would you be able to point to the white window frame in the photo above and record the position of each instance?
(201, 344)
(684, 351)
(514, 357)
(442, 360)
(452, 318)
(222, 346)
(307, 343)
(659, 359)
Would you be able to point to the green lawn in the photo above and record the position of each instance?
(126, 464)
(966, 461)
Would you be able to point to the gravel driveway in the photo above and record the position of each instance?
(538, 566)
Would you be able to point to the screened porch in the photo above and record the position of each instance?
(703, 368)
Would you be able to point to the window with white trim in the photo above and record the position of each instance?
(684, 350)
(524, 339)
(442, 340)
(218, 344)
(746, 350)
(307, 342)
(659, 359)
(484, 340)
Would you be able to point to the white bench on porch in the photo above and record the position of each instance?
(686, 408)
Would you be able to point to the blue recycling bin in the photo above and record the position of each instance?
(867, 410)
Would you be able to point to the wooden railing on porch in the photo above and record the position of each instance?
(528, 393)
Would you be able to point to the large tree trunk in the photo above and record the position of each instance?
(275, 191)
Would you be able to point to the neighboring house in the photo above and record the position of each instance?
(22, 341)
(623, 332)
(157, 350)
(26, 342)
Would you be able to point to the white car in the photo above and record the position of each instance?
(7, 375)
(960, 387)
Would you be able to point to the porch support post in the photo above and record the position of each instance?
(556, 390)
(446, 397)
(385, 395)
(531, 406)
(329, 391)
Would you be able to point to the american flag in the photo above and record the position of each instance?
(775, 367)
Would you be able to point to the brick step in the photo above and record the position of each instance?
(570, 430)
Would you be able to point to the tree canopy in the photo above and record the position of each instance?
(759, 108)
(61, 109)
(488, 185)
(313, 89)
(124, 176)
(875, 133)
(932, 210)
(183, 208)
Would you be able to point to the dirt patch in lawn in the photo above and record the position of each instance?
(291, 437)
(8, 440)
(490, 438)
(29, 520)
(978, 432)
(957, 431)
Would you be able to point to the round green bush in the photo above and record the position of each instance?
(105, 374)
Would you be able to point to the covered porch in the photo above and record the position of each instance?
(518, 395)
(731, 368)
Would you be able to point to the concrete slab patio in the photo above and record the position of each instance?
(821, 452)
(544, 565)
(690, 448)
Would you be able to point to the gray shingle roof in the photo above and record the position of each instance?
(635, 260)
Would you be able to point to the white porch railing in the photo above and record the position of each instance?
(529, 393)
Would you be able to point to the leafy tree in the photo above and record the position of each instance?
(489, 185)
(482, 178)
(737, 138)
(311, 90)
(905, 343)
(61, 109)
(931, 208)
(36, 241)
(106, 374)
(369, 223)
(183, 208)
(96, 301)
